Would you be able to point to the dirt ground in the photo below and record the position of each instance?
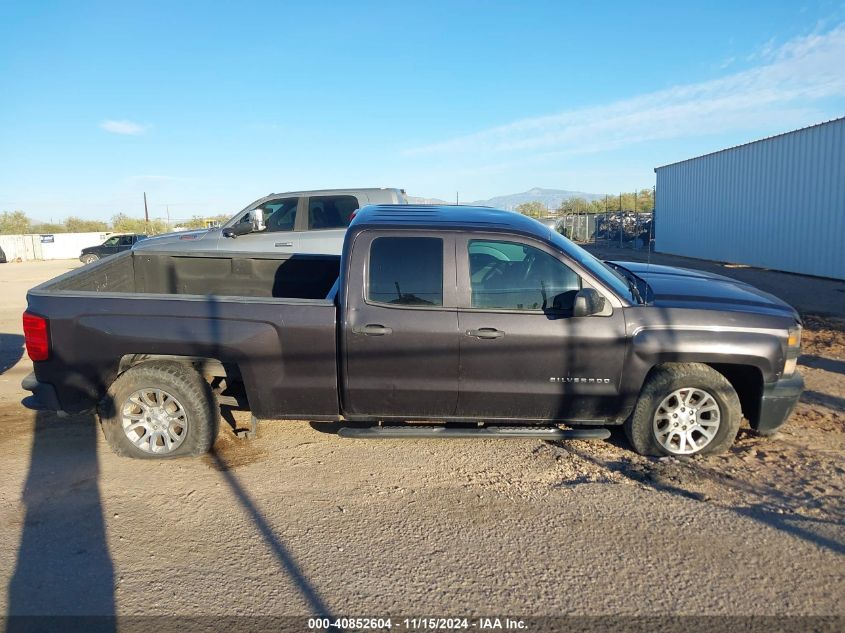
(300, 521)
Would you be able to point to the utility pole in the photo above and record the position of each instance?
(146, 215)
(168, 218)
(457, 199)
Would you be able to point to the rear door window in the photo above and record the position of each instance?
(406, 271)
(331, 212)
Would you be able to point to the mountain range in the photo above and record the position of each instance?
(549, 197)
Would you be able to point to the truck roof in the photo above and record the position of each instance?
(457, 217)
(309, 192)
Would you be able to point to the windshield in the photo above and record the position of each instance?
(612, 279)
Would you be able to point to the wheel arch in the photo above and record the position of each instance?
(208, 367)
(746, 380)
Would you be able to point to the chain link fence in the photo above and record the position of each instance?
(623, 230)
(578, 228)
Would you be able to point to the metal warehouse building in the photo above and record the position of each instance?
(776, 203)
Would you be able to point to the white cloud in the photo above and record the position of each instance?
(789, 80)
(124, 127)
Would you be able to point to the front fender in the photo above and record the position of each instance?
(652, 346)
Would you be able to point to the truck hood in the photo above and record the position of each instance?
(685, 288)
(196, 234)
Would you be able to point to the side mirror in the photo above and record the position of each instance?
(588, 302)
(241, 228)
(257, 216)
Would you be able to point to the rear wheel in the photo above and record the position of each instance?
(89, 259)
(160, 410)
(684, 409)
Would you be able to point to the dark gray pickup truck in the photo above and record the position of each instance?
(435, 321)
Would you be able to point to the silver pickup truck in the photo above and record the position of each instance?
(293, 222)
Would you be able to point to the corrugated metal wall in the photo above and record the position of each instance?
(777, 203)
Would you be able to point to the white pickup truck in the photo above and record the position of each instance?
(292, 222)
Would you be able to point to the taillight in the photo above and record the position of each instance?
(36, 336)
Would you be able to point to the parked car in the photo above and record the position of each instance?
(2, 256)
(113, 245)
(292, 222)
(448, 314)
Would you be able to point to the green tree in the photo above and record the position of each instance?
(122, 223)
(125, 224)
(645, 200)
(573, 205)
(203, 221)
(535, 209)
(78, 225)
(196, 222)
(14, 223)
(48, 227)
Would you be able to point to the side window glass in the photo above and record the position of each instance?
(331, 212)
(406, 271)
(280, 215)
(126, 240)
(112, 241)
(513, 276)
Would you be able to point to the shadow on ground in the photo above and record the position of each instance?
(286, 561)
(11, 350)
(63, 565)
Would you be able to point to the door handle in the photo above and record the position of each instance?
(486, 332)
(373, 330)
(279, 244)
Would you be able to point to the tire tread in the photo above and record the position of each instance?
(199, 402)
(670, 376)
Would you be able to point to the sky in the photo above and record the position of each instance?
(206, 106)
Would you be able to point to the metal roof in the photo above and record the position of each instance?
(759, 140)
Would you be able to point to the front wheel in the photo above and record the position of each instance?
(158, 410)
(88, 259)
(684, 409)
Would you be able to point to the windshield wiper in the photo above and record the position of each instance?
(635, 291)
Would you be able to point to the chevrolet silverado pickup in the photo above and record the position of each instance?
(434, 321)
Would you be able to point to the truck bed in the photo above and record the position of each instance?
(270, 318)
(212, 273)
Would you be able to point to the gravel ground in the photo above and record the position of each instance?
(300, 521)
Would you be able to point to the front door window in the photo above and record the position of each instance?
(513, 276)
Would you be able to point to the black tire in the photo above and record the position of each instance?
(663, 381)
(89, 259)
(183, 383)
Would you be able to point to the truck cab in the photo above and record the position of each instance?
(293, 222)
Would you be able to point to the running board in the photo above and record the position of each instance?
(419, 432)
